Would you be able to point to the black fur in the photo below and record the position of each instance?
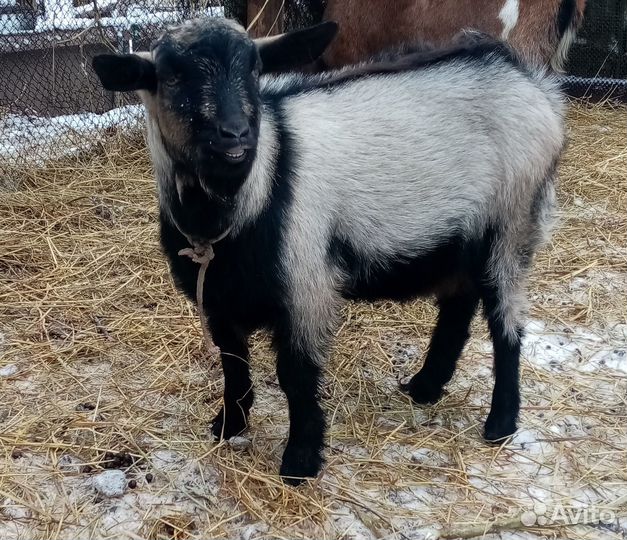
(456, 273)
(245, 273)
(447, 343)
(501, 421)
(126, 72)
(473, 46)
(299, 377)
(297, 48)
(185, 88)
(566, 17)
(456, 259)
(247, 293)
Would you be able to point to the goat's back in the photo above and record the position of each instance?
(414, 157)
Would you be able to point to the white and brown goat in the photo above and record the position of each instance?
(540, 31)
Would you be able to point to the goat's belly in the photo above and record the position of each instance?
(455, 264)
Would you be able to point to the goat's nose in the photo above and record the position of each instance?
(233, 130)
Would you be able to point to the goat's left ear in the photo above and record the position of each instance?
(295, 49)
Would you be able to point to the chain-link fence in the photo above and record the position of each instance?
(52, 105)
(597, 63)
(50, 101)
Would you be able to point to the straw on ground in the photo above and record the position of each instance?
(102, 368)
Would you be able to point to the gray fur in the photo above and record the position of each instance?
(396, 165)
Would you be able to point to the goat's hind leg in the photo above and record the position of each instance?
(501, 309)
(506, 338)
(502, 292)
(448, 340)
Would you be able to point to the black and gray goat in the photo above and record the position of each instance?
(429, 176)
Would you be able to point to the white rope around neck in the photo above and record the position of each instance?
(203, 255)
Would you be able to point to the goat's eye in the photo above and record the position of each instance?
(172, 80)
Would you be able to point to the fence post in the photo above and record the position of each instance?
(270, 21)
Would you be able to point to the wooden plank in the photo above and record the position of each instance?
(269, 21)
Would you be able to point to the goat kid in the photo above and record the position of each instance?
(433, 175)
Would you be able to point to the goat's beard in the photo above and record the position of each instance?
(199, 210)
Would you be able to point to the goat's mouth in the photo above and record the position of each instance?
(235, 155)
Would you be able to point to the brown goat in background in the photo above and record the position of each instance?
(541, 31)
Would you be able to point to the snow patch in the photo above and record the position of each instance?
(253, 531)
(239, 443)
(611, 282)
(8, 370)
(412, 497)
(427, 456)
(63, 15)
(33, 137)
(166, 460)
(349, 526)
(69, 463)
(615, 359)
(110, 483)
(13, 510)
(618, 332)
(577, 348)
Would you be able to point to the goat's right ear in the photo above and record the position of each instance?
(125, 72)
(295, 49)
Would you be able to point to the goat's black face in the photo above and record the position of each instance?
(207, 95)
(200, 86)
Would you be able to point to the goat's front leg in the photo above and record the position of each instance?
(299, 377)
(238, 388)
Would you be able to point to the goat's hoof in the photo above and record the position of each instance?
(499, 428)
(299, 463)
(422, 390)
(225, 426)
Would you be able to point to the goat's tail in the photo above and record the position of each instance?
(568, 20)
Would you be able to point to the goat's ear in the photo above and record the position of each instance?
(295, 49)
(125, 72)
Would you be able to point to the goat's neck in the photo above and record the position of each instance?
(255, 192)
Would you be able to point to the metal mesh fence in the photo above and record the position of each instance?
(597, 63)
(600, 49)
(51, 104)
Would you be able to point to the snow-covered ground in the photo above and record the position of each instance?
(63, 15)
(31, 140)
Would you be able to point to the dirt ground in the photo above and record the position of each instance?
(106, 392)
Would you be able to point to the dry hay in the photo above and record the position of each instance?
(102, 369)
